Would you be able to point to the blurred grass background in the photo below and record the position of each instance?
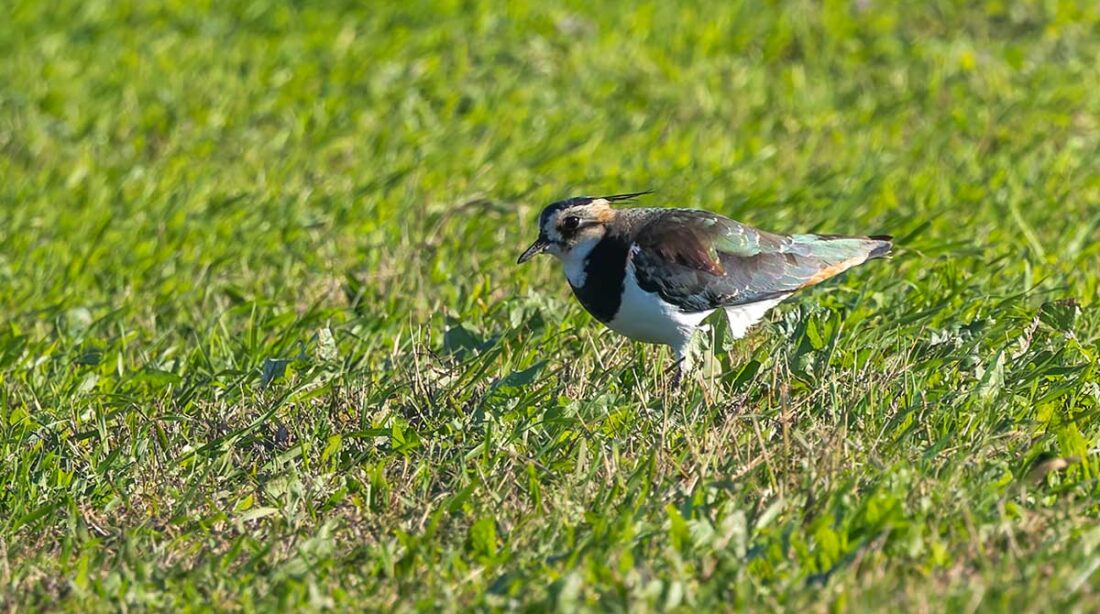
(263, 345)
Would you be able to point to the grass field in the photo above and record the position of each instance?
(263, 343)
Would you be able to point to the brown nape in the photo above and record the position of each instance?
(605, 214)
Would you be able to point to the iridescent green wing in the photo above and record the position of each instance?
(699, 260)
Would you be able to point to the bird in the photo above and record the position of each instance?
(655, 274)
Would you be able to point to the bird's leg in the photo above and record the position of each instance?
(682, 365)
(675, 373)
(677, 376)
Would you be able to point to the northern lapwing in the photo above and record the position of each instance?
(654, 274)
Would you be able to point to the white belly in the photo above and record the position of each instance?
(643, 316)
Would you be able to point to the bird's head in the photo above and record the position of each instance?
(567, 224)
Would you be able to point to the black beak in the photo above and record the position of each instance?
(536, 248)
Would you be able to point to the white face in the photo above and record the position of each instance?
(570, 229)
(572, 234)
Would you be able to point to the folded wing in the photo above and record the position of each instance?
(699, 260)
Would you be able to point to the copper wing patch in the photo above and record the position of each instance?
(683, 245)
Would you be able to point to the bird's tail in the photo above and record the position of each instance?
(836, 254)
(881, 246)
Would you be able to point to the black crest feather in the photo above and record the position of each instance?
(616, 197)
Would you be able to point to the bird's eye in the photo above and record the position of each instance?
(570, 223)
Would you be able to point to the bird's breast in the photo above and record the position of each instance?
(610, 292)
(598, 280)
(645, 316)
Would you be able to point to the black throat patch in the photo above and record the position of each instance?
(605, 270)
